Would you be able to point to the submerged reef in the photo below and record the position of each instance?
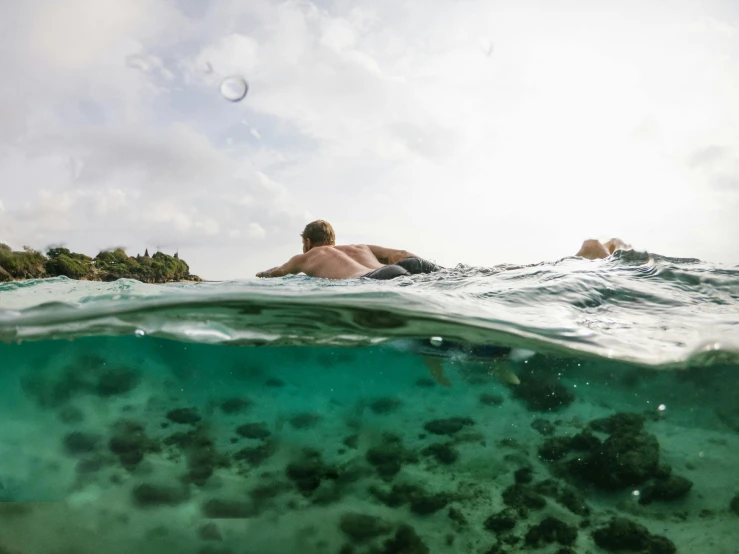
(108, 265)
(628, 457)
(409, 471)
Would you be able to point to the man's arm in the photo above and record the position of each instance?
(292, 266)
(389, 255)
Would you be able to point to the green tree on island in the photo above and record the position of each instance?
(108, 265)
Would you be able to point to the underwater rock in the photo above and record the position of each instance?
(568, 497)
(421, 502)
(523, 496)
(383, 406)
(274, 383)
(202, 456)
(210, 532)
(398, 495)
(425, 383)
(88, 375)
(91, 464)
(505, 520)
(148, 495)
(254, 430)
(443, 453)
(447, 426)
(584, 441)
(130, 443)
(543, 427)
(184, 415)
(573, 500)
(555, 448)
(304, 421)
(203, 459)
(116, 381)
(624, 459)
(328, 492)
(363, 527)
(256, 455)
(547, 487)
(509, 443)
(267, 491)
(308, 473)
(71, 415)
(218, 508)
(457, 516)
(351, 441)
(622, 534)
(489, 399)
(551, 530)
(496, 549)
(734, 504)
(79, 442)
(622, 422)
(389, 456)
(670, 488)
(231, 406)
(524, 475)
(424, 504)
(543, 394)
(405, 541)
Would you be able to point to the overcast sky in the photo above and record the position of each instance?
(468, 131)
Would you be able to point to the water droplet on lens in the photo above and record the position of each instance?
(436, 341)
(140, 332)
(234, 88)
(487, 46)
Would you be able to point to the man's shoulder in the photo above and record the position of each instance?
(352, 247)
(320, 251)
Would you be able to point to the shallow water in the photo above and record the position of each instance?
(294, 415)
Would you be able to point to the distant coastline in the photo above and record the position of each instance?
(109, 265)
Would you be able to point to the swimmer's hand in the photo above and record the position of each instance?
(274, 272)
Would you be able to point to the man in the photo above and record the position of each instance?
(321, 257)
(595, 250)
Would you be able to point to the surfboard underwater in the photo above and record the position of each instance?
(435, 351)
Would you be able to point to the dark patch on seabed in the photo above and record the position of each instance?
(122, 445)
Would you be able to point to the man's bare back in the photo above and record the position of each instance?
(338, 262)
(322, 258)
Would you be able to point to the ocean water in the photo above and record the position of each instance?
(562, 407)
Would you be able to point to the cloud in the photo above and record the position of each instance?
(480, 133)
(708, 155)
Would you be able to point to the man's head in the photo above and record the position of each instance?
(318, 233)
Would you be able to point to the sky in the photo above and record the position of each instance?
(466, 131)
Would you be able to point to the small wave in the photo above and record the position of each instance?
(635, 307)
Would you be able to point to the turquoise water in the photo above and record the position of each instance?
(296, 415)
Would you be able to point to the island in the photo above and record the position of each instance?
(108, 265)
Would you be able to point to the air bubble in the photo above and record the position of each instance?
(140, 333)
(436, 341)
(234, 89)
